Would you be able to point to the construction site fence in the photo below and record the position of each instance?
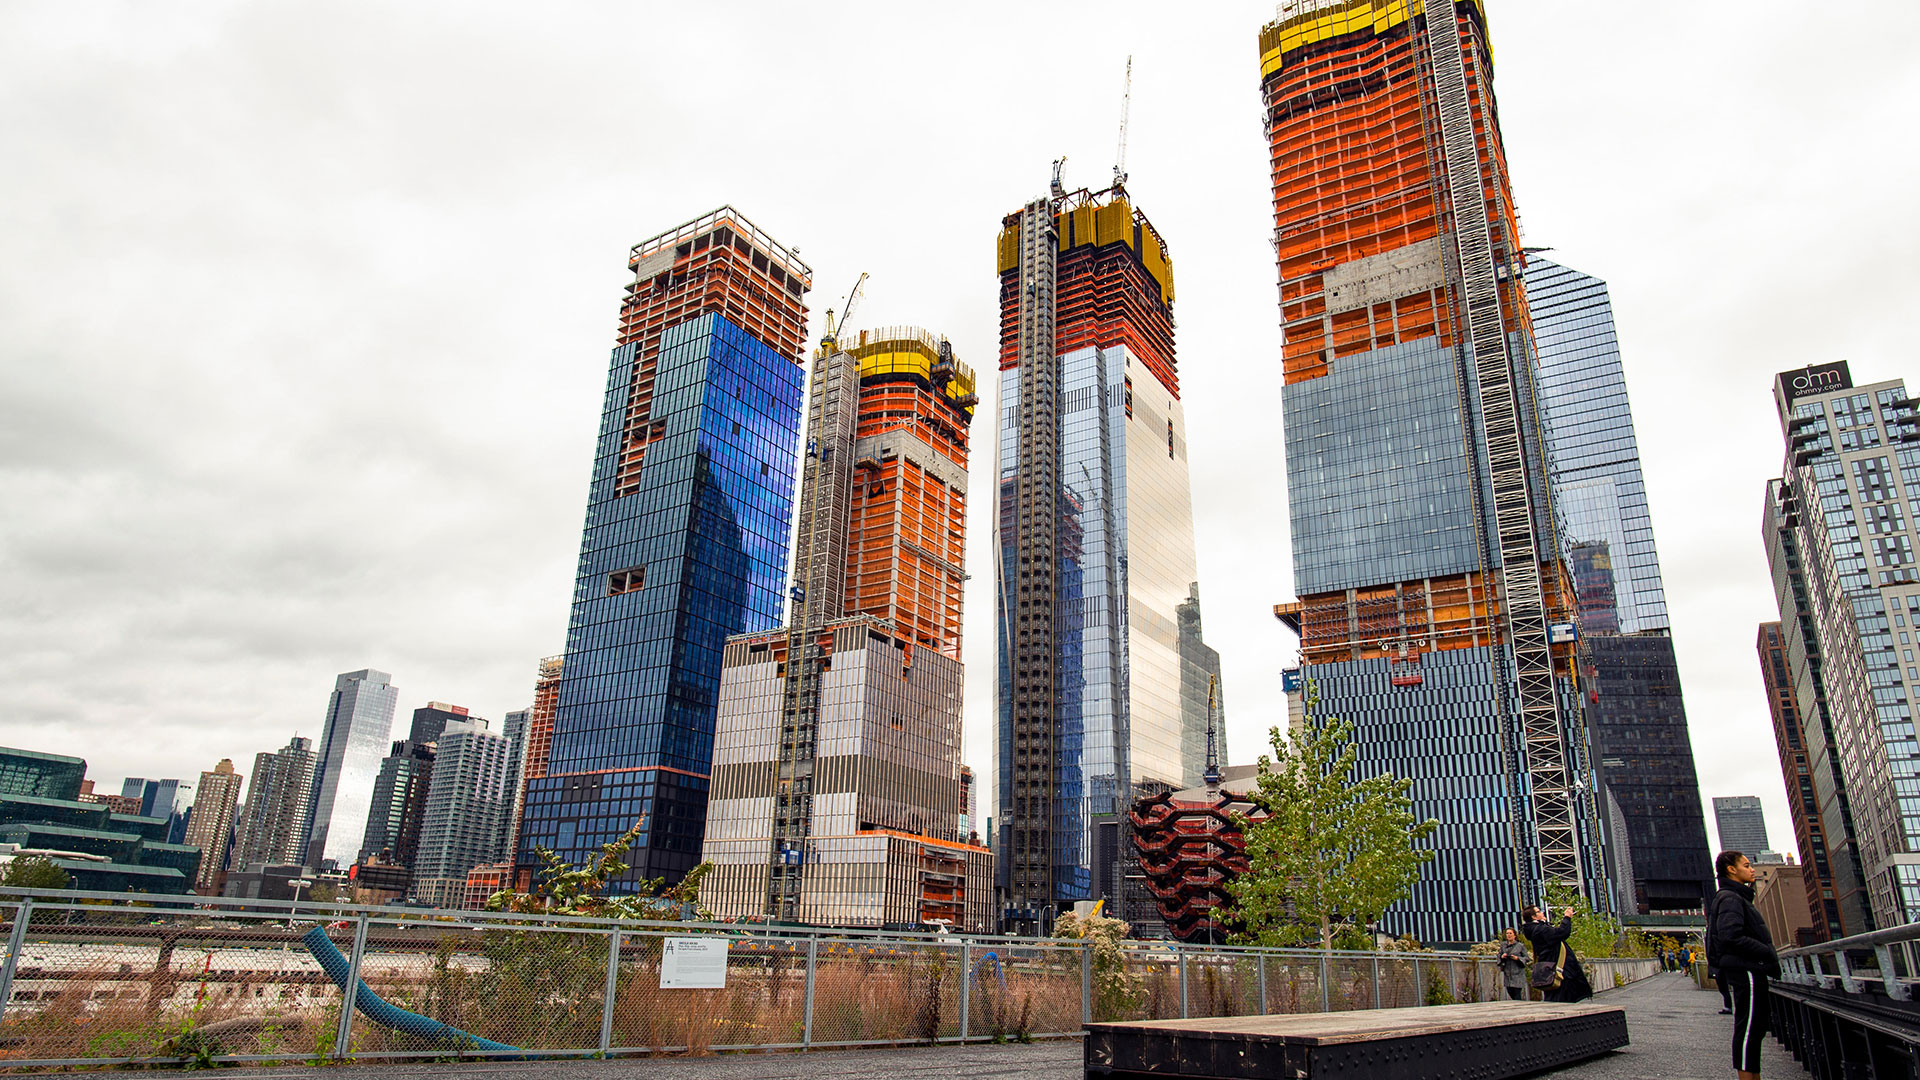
(101, 979)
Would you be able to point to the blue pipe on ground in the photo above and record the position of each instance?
(376, 1009)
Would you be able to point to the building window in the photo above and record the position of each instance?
(632, 579)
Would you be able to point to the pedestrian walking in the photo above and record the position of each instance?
(1741, 946)
(1513, 965)
(1556, 970)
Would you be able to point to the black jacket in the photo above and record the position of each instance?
(1547, 938)
(1737, 937)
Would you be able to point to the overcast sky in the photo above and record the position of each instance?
(305, 310)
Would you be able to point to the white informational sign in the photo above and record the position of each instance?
(693, 963)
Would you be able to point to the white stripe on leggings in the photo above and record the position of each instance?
(1746, 1036)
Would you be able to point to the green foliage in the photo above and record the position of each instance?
(34, 872)
(1335, 851)
(1116, 991)
(1439, 990)
(1594, 935)
(560, 888)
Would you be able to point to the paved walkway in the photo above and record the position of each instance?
(1677, 1034)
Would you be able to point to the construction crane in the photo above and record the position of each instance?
(1059, 190)
(1120, 154)
(832, 336)
(1212, 775)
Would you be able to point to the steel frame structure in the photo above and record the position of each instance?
(1549, 791)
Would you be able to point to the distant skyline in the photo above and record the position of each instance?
(306, 322)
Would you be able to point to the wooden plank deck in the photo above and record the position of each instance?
(1483, 1041)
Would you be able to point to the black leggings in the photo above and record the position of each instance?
(1517, 993)
(1749, 1017)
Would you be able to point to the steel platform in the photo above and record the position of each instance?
(1486, 1041)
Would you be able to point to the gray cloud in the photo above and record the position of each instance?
(305, 314)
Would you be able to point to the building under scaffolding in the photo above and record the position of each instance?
(837, 793)
(1098, 621)
(1435, 611)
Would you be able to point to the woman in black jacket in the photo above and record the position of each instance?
(1547, 939)
(1739, 943)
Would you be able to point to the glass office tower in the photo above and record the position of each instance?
(352, 743)
(685, 541)
(1435, 609)
(1635, 709)
(1098, 626)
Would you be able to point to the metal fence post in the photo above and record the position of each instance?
(1181, 958)
(813, 958)
(349, 995)
(1419, 987)
(1376, 982)
(1261, 959)
(17, 940)
(966, 987)
(1847, 982)
(606, 997)
(1086, 983)
(1889, 979)
(1326, 999)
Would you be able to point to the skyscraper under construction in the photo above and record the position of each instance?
(1101, 682)
(837, 793)
(1435, 610)
(685, 541)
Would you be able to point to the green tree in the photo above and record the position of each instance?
(1334, 851)
(34, 872)
(561, 888)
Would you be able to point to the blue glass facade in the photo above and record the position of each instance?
(1597, 487)
(697, 553)
(1379, 486)
(1126, 569)
(1636, 712)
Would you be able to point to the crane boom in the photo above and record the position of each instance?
(1120, 153)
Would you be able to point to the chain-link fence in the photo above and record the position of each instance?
(100, 979)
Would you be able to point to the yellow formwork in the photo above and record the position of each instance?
(1279, 38)
(909, 350)
(1090, 225)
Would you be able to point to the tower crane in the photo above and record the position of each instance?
(831, 337)
(1120, 154)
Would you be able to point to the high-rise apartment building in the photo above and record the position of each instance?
(1740, 824)
(211, 827)
(279, 817)
(399, 803)
(352, 742)
(467, 801)
(1097, 661)
(1797, 770)
(431, 719)
(514, 727)
(837, 776)
(685, 541)
(1634, 707)
(533, 766)
(1839, 530)
(1435, 608)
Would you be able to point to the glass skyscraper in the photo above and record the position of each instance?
(1435, 608)
(685, 541)
(1634, 706)
(352, 743)
(1098, 620)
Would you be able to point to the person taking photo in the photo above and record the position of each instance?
(1553, 958)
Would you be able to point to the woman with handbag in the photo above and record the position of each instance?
(1556, 971)
(1513, 966)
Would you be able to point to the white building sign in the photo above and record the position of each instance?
(693, 963)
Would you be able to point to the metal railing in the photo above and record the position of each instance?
(1848, 1008)
(109, 978)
